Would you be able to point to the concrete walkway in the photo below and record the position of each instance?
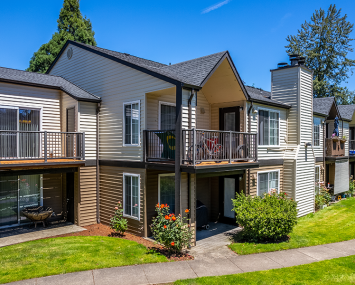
(172, 271)
(11, 236)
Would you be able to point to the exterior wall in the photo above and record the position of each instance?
(254, 177)
(115, 84)
(111, 191)
(88, 197)
(88, 124)
(215, 114)
(346, 133)
(185, 110)
(27, 96)
(203, 112)
(68, 102)
(270, 152)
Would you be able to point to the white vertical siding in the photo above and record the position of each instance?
(115, 84)
(48, 100)
(87, 124)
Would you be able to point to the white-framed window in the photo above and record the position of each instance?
(269, 127)
(316, 131)
(166, 190)
(131, 127)
(268, 180)
(167, 116)
(316, 178)
(131, 195)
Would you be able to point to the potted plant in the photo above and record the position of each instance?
(334, 137)
(343, 139)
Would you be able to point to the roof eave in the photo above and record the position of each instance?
(270, 103)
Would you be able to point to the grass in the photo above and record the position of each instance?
(333, 224)
(70, 254)
(334, 271)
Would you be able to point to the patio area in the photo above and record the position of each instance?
(14, 235)
(212, 243)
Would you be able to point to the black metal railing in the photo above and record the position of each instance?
(159, 145)
(206, 145)
(352, 147)
(26, 145)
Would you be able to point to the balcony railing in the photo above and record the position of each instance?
(352, 147)
(34, 145)
(200, 146)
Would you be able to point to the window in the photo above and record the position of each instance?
(268, 127)
(316, 131)
(166, 190)
(25, 143)
(167, 116)
(317, 178)
(268, 181)
(131, 186)
(131, 123)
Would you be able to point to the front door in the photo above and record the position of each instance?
(229, 186)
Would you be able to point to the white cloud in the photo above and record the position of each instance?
(215, 6)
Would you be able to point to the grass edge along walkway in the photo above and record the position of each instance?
(330, 225)
(61, 255)
(334, 271)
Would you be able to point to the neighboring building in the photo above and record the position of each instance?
(189, 131)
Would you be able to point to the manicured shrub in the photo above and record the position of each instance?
(171, 231)
(268, 218)
(118, 223)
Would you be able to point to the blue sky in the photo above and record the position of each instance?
(171, 31)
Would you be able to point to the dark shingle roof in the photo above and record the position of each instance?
(322, 105)
(45, 80)
(262, 96)
(346, 111)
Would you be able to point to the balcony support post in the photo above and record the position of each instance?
(230, 146)
(178, 141)
(83, 142)
(45, 146)
(193, 146)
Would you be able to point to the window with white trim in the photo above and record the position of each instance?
(268, 181)
(316, 131)
(131, 201)
(131, 123)
(167, 190)
(269, 132)
(317, 178)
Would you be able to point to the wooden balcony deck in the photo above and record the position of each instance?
(39, 163)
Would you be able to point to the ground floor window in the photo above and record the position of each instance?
(166, 189)
(131, 186)
(268, 181)
(17, 193)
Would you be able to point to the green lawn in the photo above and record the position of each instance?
(69, 254)
(334, 271)
(333, 224)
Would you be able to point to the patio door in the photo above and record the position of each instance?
(229, 186)
(70, 129)
(17, 193)
(229, 120)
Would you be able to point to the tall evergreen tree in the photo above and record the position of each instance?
(71, 26)
(325, 43)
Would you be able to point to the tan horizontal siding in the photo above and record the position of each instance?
(88, 199)
(87, 115)
(111, 191)
(254, 174)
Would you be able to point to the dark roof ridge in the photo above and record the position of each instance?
(196, 58)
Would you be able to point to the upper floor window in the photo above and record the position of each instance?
(167, 116)
(316, 131)
(268, 181)
(131, 123)
(269, 133)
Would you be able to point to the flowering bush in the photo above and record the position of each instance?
(169, 230)
(118, 223)
(267, 218)
(322, 196)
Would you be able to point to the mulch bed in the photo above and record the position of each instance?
(103, 230)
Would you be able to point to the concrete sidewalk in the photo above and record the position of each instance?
(172, 271)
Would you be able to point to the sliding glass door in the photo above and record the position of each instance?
(25, 144)
(17, 193)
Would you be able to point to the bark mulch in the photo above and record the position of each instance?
(103, 230)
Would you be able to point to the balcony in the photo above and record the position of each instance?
(33, 147)
(351, 147)
(201, 147)
(335, 147)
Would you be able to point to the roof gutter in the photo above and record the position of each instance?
(270, 103)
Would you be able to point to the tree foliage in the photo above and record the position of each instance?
(325, 43)
(71, 26)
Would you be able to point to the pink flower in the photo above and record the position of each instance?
(135, 205)
(119, 202)
(116, 208)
